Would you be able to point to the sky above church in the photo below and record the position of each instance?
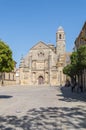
(23, 23)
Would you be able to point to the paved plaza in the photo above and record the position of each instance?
(41, 108)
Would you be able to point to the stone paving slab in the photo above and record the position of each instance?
(41, 108)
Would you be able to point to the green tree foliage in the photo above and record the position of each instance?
(73, 58)
(81, 61)
(78, 63)
(82, 57)
(70, 71)
(6, 60)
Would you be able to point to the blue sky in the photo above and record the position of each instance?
(23, 23)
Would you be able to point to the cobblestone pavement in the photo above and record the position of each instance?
(41, 108)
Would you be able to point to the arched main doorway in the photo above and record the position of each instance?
(40, 80)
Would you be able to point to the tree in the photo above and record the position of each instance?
(77, 65)
(70, 71)
(82, 57)
(81, 60)
(74, 63)
(74, 59)
(6, 60)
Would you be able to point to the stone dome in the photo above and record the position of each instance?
(60, 29)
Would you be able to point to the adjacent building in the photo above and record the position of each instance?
(80, 41)
(8, 78)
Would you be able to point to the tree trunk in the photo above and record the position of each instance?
(73, 78)
(2, 79)
(82, 79)
(78, 80)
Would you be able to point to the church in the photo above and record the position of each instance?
(43, 65)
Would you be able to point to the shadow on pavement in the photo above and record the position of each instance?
(5, 96)
(68, 96)
(50, 118)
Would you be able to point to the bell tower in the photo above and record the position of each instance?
(60, 41)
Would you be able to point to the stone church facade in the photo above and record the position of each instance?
(44, 63)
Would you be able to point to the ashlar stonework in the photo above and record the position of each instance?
(44, 63)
